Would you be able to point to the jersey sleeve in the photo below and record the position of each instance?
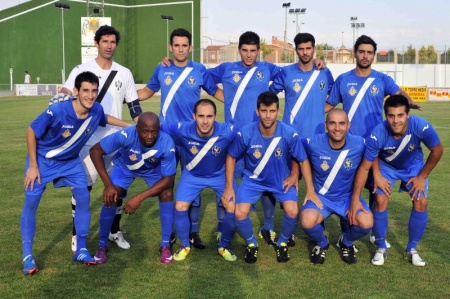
(153, 83)
(168, 162)
(131, 93)
(217, 72)
(391, 86)
(172, 129)
(428, 135)
(115, 141)
(335, 94)
(306, 145)
(274, 70)
(41, 124)
(237, 146)
(330, 80)
(374, 143)
(278, 83)
(70, 82)
(209, 85)
(297, 149)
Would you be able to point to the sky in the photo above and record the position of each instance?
(391, 23)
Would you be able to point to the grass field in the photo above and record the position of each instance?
(137, 272)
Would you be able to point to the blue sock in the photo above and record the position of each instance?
(269, 212)
(228, 229)
(380, 225)
(416, 228)
(245, 229)
(181, 221)
(288, 227)
(317, 235)
(354, 233)
(220, 212)
(28, 223)
(82, 215)
(166, 211)
(194, 216)
(107, 215)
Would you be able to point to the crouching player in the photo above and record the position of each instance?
(54, 141)
(143, 151)
(268, 147)
(334, 158)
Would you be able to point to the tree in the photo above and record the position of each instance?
(408, 57)
(427, 55)
(321, 50)
(265, 49)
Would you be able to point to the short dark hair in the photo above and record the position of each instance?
(205, 102)
(267, 98)
(106, 30)
(86, 77)
(396, 100)
(181, 32)
(249, 38)
(304, 38)
(364, 39)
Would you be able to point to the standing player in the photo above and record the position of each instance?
(180, 84)
(397, 144)
(268, 147)
(54, 141)
(362, 92)
(142, 151)
(204, 143)
(334, 159)
(117, 86)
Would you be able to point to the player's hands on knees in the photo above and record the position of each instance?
(382, 183)
(60, 97)
(30, 177)
(166, 61)
(228, 196)
(418, 187)
(355, 206)
(290, 181)
(312, 196)
(132, 204)
(110, 195)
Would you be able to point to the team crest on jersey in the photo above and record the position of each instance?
(66, 133)
(194, 150)
(352, 91)
(168, 80)
(322, 85)
(215, 150)
(374, 89)
(348, 164)
(236, 78)
(153, 160)
(191, 81)
(278, 153)
(411, 147)
(259, 75)
(257, 154)
(88, 131)
(132, 157)
(118, 84)
(324, 166)
(297, 87)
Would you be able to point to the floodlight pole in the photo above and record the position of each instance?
(167, 18)
(63, 6)
(297, 11)
(286, 6)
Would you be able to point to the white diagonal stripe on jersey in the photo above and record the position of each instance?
(403, 144)
(303, 95)
(174, 89)
(145, 155)
(202, 153)
(240, 90)
(265, 158)
(359, 97)
(333, 172)
(71, 141)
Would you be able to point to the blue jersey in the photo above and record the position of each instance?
(362, 99)
(241, 87)
(406, 151)
(132, 155)
(334, 170)
(60, 134)
(267, 159)
(180, 89)
(305, 97)
(204, 156)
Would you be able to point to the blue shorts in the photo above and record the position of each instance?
(339, 208)
(123, 177)
(404, 175)
(68, 173)
(250, 192)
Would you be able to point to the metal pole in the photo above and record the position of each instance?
(63, 49)
(167, 34)
(285, 33)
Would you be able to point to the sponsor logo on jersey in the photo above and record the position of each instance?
(168, 80)
(194, 150)
(411, 147)
(322, 85)
(348, 164)
(67, 126)
(236, 78)
(278, 153)
(49, 112)
(373, 137)
(426, 127)
(191, 81)
(352, 91)
(132, 157)
(374, 89)
(324, 158)
(297, 87)
(256, 146)
(118, 84)
(193, 142)
(257, 154)
(324, 166)
(259, 75)
(66, 133)
(215, 150)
